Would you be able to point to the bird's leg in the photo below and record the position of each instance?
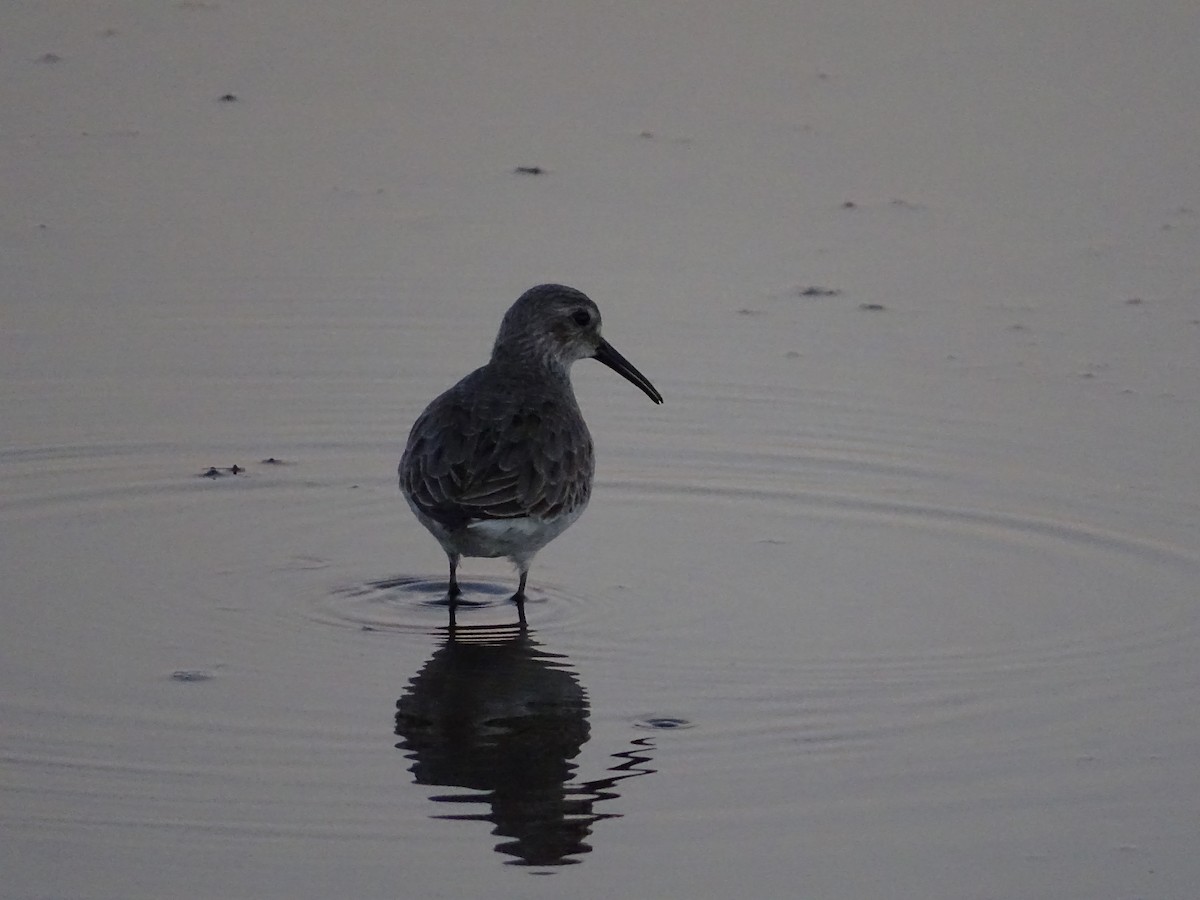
(452, 593)
(519, 597)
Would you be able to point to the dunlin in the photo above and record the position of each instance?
(501, 464)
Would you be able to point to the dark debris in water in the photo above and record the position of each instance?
(872, 307)
(214, 472)
(663, 723)
(228, 98)
(894, 203)
(529, 170)
(191, 675)
(818, 291)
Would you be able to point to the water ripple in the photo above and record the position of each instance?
(419, 604)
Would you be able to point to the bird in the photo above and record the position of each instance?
(502, 463)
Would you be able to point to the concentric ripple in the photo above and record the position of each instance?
(419, 604)
(984, 563)
(879, 592)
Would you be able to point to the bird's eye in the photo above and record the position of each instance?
(582, 317)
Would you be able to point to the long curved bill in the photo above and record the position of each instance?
(619, 364)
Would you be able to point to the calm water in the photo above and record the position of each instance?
(895, 597)
(823, 645)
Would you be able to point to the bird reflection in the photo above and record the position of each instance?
(493, 712)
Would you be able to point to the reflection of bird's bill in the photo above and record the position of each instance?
(619, 364)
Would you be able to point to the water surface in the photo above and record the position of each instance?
(894, 597)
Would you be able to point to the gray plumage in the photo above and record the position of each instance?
(502, 463)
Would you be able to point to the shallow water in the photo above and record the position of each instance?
(832, 640)
(896, 595)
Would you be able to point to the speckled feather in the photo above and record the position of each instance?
(497, 447)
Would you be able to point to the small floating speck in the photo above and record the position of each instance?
(228, 98)
(746, 311)
(529, 170)
(191, 675)
(212, 472)
(849, 204)
(818, 291)
(1134, 301)
(49, 58)
(872, 307)
(663, 723)
(273, 461)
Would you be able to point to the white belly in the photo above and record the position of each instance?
(518, 539)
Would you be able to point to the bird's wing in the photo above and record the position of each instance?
(469, 459)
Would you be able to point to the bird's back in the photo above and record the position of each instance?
(499, 445)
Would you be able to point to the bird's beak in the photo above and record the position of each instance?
(619, 364)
